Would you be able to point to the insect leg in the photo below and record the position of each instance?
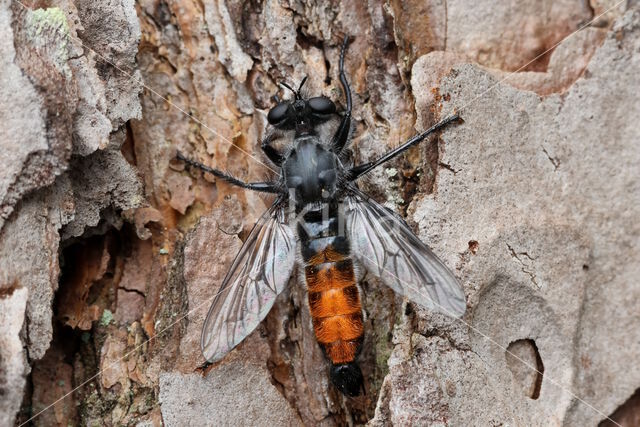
(266, 187)
(359, 170)
(271, 152)
(342, 134)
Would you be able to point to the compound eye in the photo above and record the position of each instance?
(278, 113)
(322, 105)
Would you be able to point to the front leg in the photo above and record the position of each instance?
(359, 170)
(271, 152)
(265, 187)
(342, 134)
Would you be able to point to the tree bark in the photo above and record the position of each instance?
(111, 250)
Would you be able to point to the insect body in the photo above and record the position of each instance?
(334, 298)
(325, 224)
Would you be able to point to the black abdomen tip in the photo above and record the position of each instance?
(347, 378)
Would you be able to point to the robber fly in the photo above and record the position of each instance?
(337, 231)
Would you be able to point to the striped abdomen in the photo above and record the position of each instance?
(334, 299)
(335, 306)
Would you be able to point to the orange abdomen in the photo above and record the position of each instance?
(334, 302)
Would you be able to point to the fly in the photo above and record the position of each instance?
(335, 229)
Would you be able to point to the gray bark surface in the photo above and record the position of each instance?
(111, 251)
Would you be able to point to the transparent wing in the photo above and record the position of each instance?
(389, 250)
(258, 274)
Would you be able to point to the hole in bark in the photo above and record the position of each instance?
(86, 268)
(627, 414)
(327, 65)
(305, 41)
(521, 356)
(408, 310)
(128, 149)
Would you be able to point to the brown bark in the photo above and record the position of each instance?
(111, 251)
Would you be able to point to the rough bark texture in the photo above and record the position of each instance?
(110, 251)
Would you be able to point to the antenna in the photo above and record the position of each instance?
(291, 89)
(296, 92)
(302, 84)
